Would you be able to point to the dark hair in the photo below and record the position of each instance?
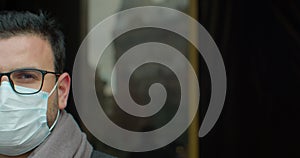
(13, 23)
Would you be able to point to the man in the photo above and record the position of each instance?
(34, 91)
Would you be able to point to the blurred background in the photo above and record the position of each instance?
(260, 45)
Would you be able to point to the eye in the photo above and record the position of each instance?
(25, 76)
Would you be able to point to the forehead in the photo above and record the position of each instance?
(25, 51)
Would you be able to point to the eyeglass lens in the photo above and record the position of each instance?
(27, 81)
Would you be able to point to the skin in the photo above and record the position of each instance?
(32, 51)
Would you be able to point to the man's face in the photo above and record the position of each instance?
(30, 51)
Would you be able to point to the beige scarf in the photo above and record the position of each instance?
(65, 141)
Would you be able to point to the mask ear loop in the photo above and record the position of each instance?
(55, 86)
(58, 111)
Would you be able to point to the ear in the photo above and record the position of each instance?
(64, 82)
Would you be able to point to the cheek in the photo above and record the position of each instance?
(52, 108)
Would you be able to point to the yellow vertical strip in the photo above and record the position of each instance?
(193, 145)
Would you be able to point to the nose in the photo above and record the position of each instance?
(3, 78)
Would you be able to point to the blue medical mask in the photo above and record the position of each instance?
(23, 120)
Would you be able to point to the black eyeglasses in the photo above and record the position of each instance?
(27, 81)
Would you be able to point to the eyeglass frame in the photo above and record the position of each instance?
(43, 72)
